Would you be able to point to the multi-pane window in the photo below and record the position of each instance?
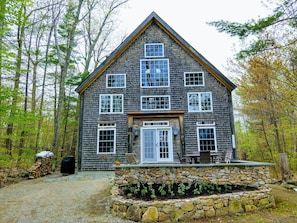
(111, 103)
(199, 102)
(206, 138)
(115, 80)
(154, 50)
(106, 139)
(206, 135)
(156, 123)
(155, 102)
(194, 79)
(154, 72)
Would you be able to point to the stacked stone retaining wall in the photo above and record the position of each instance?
(189, 209)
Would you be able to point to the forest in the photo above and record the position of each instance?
(266, 76)
(48, 47)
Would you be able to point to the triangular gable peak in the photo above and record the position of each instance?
(154, 18)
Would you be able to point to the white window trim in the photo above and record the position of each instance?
(202, 123)
(103, 128)
(199, 93)
(111, 103)
(155, 86)
(107, 75)
(192, 85)
(145, 54)
(155, 96)
(215, 136)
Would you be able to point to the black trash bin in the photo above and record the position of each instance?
(68, 165)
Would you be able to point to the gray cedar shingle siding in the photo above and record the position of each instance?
(128, 63)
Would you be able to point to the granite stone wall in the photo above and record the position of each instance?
(175, 210)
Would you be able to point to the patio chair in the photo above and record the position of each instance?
(204, 156)
(182, 159)
(131, 158)
(228, 155)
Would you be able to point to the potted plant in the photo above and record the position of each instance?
(117, 161)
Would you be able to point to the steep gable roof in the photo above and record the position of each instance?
(153, 17)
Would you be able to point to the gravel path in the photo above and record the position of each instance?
(78, 198)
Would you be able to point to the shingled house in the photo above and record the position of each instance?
(155, 96)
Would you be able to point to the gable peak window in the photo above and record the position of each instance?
(154, 50)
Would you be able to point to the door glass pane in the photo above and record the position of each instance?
(149, 145)
(163, 144)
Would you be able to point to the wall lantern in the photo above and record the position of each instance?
(136, 131)
(175, 130)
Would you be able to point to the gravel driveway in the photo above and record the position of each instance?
(82, 197)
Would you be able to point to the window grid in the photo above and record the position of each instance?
(111, 104)
(200, 102)
(154, 73)
(155, 102)
(106, 141)
(103, 124)
(115, 80)
(154, 50)
(148, 124)
(194, 79)
(206, 139)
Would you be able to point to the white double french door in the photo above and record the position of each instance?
(156, 145)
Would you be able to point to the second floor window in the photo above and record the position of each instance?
(194, 79)
(200, 102)
(115, 80)
(154, 73)
(111, 103)
(155, 103)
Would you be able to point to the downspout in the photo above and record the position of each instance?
(232, 127)
(80, 132)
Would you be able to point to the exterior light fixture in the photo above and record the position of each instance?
(136, 131)
(175, 130)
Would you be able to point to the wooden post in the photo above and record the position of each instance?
(284, 166)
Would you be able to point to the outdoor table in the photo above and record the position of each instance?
(194, 156)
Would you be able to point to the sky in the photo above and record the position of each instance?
(189, 17)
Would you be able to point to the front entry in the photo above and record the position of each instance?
(156, 145)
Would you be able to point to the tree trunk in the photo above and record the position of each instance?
(64, 69)
(284, 166)
(20, 37)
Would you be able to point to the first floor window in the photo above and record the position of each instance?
(206, 138)
(106, 140)
(111, 103)
(199, 102)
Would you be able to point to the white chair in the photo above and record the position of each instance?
(228, 155)
(131, 158)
